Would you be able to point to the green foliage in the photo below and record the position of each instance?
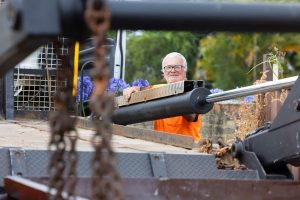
(228, 57)
(112, 34)
(145, 52)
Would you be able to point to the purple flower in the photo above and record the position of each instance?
(141, 83)
(122, 85)
(116, 85)
(249, 99)
(216, 90)
(87, 88)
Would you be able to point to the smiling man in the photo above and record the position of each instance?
(174, 68)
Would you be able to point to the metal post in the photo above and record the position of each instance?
(9, 94)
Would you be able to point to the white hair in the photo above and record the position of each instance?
(173, 55)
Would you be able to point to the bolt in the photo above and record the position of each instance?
(14, 14)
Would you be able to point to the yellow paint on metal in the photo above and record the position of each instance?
(76, 63)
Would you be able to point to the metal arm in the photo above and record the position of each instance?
(198, 101)
(277, 144)
(33, 27)
(205, 16)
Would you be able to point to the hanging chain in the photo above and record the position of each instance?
(105, 180)
(63, 132)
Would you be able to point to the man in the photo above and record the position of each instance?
(174, 68)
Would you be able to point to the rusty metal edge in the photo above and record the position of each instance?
(151, 188)
(24, 189)
(143, 134)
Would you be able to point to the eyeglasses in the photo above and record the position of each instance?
(175, 67)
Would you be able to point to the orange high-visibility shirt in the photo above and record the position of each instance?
(179, 125)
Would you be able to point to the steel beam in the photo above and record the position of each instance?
(205, 16)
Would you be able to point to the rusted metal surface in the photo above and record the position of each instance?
(144, 134)
(25, 189)
(164, 189)
(159, 92)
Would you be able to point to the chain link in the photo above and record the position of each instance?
(63, 133)
(106, 184)
(72, 158)
(105, 180)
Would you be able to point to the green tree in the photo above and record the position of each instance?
(145, 52)
(226, 58)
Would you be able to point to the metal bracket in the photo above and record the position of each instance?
(17, 161)
(158, 164)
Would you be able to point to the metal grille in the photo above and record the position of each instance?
(31, 92)
(35, 79)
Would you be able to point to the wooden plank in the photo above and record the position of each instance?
(145, 134)
(151, 94)
(159, 92)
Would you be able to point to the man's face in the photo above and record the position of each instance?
(174, 70)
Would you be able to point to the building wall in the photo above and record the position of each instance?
(220, 122)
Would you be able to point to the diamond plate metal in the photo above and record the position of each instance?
(37, 163)
(238, 174)
(202, 166)
(191, 166)
(133, 165)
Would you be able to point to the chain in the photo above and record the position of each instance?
(105, 180)
(62, 131)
